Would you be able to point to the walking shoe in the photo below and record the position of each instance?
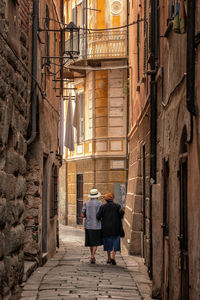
(92, 260)
(113, 262)
(108, 262)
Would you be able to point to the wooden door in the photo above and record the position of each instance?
(79, 199)
(44, 207)
(183, 236)
(165, 227)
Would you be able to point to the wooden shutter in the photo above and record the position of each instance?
(47, 35)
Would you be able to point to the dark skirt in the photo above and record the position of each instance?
(93, 238)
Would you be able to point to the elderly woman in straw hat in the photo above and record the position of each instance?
(110, 214)
(93, 236)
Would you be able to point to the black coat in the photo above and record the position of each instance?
(110, 215)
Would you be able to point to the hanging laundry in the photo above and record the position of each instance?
(69, 134)
(179, 18)
(61, 126)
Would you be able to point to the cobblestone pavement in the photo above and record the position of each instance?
(69, 275)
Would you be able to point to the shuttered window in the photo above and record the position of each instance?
(54, 192)
(47, 35)
(54, 53)
(145, 36)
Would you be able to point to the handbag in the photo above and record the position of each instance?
(121, 230)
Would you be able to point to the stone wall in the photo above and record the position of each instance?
(14, 117)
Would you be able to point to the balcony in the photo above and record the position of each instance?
(100, 45)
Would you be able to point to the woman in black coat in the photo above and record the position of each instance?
(110, 215)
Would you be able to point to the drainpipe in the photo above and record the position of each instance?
(191, 63)
(128, 95)
(153, 122)
(34, 74)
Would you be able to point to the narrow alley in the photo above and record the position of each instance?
(69, 275)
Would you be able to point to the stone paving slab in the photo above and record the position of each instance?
(69, 274)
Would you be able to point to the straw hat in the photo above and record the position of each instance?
(94, 193)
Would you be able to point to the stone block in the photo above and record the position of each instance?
(3, 90)
(101, 177)
(101, 75)
(14, 267)
(22, 165)
(2, 157)
(136, 242)
(101, 164)
(101, 132)
(116, 92)
(13, 212)
(20, 187)
(101, 93)
(71, 167)
(23, 39)
(101, 83)
(21, 105)
(71, 199)
(137, 222)
(5, 119)
(8, 187)
(14, 239)
(88, 177)
(117, 176)
(101, 112)
(12, 165)
(2, 213)
(2, 243)
(102, 102)
(138, 204)
(89, 164)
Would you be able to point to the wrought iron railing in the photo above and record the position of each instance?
(101, 44)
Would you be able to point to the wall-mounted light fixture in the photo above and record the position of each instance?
(72, 41)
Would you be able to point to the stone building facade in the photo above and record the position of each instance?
(162, 208)
(137, 217)
(14, 120)
(29, 116)
(175, 195)
(99, 90)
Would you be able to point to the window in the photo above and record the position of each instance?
(80, 111)
(47, 35)
(54, 53)
(145, 36)
(54, 192)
